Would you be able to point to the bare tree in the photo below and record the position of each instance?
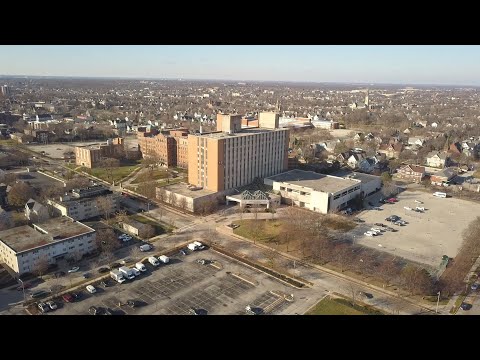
(353, 292)
(106, 241)
(19, 194)
(172, 199)
(273, 208)
(182, 203)
(135, 252)
(110, 164)
(41, 266)
(105, 205)
(121, 216)
(161, 194)
(149, 231)
(160, 212)
(78, 182)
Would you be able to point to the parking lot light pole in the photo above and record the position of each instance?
(438, 300)
(23, 288)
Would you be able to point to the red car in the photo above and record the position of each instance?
(67, 298)
(392, 200)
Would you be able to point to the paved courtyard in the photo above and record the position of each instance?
(427, 236)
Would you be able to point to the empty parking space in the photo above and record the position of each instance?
(427, 236)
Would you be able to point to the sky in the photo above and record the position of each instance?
(394, 64)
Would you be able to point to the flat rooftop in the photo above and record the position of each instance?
(182, 189)
(242, 132)
(364, 178)
(315, 181)
(24, 238)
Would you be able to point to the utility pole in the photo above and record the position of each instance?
(438, 300)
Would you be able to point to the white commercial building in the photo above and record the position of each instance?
(317, 192)
(26, 249)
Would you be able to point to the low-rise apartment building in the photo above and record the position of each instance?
(27, 249)
(81, 204)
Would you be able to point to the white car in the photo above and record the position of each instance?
(377, 230)
(421, 208)
(419, 202)
(52, 305)
(136, 272)
(407, 208)
(91, 289)
(369, 233)
(74, 269)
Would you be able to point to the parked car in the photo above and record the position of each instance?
(104, 283)
(377, 230)
(132, 303)
(379, 224)
(125, 261)
(365, 294)
(370, 203)
(52, 305)
(474, 286)
(91, 289)
(465, 306)
(39, 294)
(68, 298)
(369, 233)
(43, 307)
(357, 220)
(103, 270)
(74, 269)
(93, 310)
(86, 275)
(183, 252)
(146, 247)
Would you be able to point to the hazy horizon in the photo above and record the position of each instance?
(433, 65)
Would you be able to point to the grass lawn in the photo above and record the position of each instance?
(338, 223)
(118, 173)
(267, 230)
(328, 306)
(261, 230)
(154, 175)
(9, 142)
(159, 228)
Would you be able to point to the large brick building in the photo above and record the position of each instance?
(91, 156)
(169, 147)
(232, 157)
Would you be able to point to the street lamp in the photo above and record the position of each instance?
(438, 300)
(23, 288)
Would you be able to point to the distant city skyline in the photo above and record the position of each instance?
(375, 64)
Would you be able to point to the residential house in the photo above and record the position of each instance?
(470, 148)
(343, 157)
(411, 173)
(35, 211)
(358, 137)
(437, 159)
(367, 165)
(406, 131)
(329, 145)
(455, 148)
(354, 160)
(6, 220)
(391, 150)
(416, 140)
(443, 176)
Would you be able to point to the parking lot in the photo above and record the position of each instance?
(56, 151)
(224, 286)
(428, 235)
